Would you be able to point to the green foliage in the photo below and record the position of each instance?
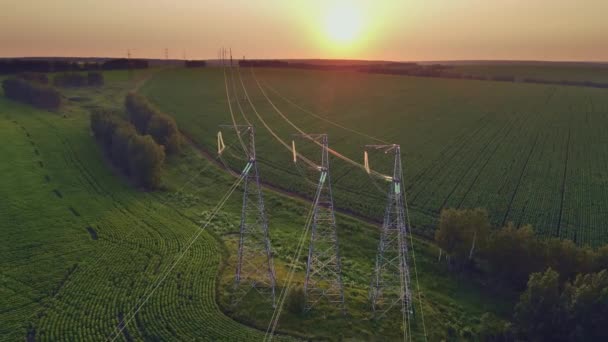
(494, 329)
(513, 254)
(148, 120)
(75, 79)
(138, 156)
(38, 95)
(577, 311)
(460, 232)
(146, 158)
(539, 312)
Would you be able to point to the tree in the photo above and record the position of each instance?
(140, 111)
(587, 303)
(164, 130)
(539, 313)
(145, 160)
(494, 329)
(461, 232)
(120, 146)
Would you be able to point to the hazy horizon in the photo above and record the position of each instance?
(467, 30)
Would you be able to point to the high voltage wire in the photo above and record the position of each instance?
(332, 151)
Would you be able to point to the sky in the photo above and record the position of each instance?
(399, 30)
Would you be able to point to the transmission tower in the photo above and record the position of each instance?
(323, 270)
(255, 267)
(390, 285)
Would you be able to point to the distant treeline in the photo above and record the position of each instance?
(124, 63)
(264, 63)
(138, 156)
(195, 64)
(73, 79)
(149, 120)
(34, 92)
(11, 66)
(443, 71)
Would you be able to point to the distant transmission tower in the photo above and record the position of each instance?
(390, 285)
(323, 270)
(255, 267)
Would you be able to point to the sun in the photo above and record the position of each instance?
(343, 23)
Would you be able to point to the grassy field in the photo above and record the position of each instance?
(81, 247)
(527, 153)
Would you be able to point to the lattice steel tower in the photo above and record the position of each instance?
(323, 269)
(391, 282)
(255, 267)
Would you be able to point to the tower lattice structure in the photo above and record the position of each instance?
(324, 269)
(390, 286)
(255, 266)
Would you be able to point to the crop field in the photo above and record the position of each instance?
(528, 153)
(82, 248)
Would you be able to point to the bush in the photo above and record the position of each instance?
(38, 95)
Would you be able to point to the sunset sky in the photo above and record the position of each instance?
(382, 29)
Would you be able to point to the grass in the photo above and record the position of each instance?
(527, 153)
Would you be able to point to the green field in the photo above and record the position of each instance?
(527, 153)
(81, 247)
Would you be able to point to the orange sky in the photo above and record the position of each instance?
(385, 29)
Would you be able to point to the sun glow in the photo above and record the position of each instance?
(343, 23)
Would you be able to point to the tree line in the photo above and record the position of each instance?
(149, 120)
(195, 64)
(32, 90)
(73, 79)
(138, 156)
(573, 278)
(12, 66)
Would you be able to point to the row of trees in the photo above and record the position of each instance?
(149, 120)
(138, 156)
(72, 79)
(11, 66)
(510, 254)
(195, 64)
(33, 93)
